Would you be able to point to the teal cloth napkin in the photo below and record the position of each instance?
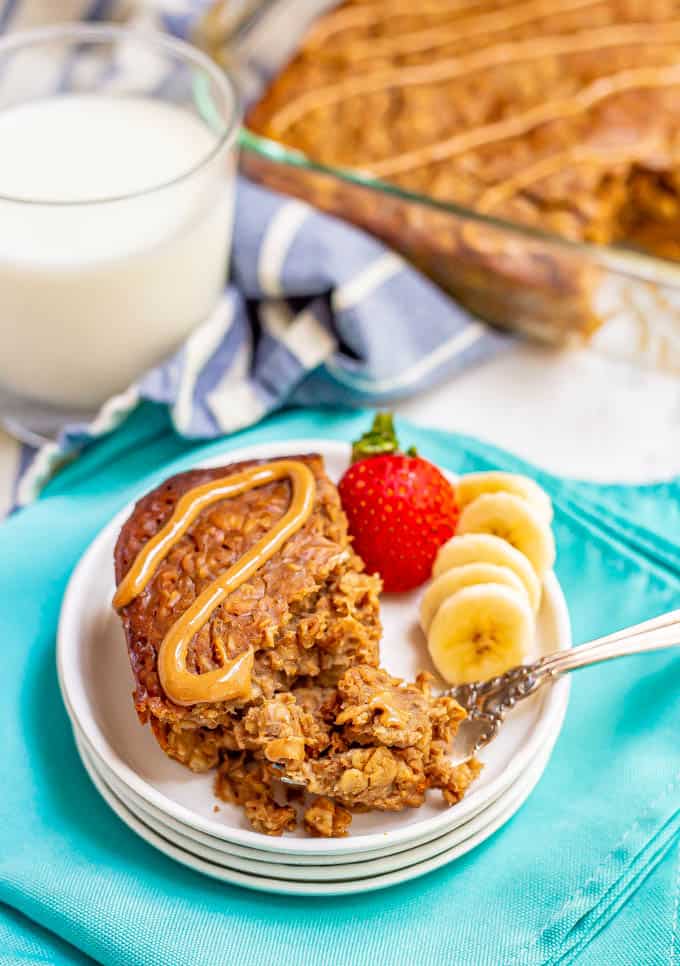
(587, 870)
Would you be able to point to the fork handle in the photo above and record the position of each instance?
(488, 701)
(652, 635)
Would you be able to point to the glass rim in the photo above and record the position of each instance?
(78, 32)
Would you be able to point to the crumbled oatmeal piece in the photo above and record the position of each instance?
(246, 783)
(269, 818)
(372, 742)
(320, 702)
(377, 777)
(197, 748)
(453, 780)
(326, 818)
(378, 709)
(280, 728)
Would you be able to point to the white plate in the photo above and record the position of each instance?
(338, 872)
(259, 883)
(295, 867)
(96, 682)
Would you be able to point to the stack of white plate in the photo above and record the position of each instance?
(176, 810)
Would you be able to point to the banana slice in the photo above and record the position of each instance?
(472, 485)
(480, 632)
(446, 584)
(486, 548)
(516, 521)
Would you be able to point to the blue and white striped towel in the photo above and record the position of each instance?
(315, 312)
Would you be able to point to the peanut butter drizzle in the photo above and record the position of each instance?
(497, 55)
(390, 716)
(467, 27)
(504, 190)
(233, 679)
(292, 749)
(559, 109)
(374, 13)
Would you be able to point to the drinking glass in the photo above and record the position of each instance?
(115, 212)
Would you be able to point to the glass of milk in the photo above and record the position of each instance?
(117, 168)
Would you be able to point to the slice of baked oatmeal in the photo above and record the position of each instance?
(309, 610)
(376, 708)
(389, 744)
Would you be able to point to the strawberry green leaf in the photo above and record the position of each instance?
(380, 439)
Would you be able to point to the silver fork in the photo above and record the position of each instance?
(488, 702)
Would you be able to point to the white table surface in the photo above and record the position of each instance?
(576, 413)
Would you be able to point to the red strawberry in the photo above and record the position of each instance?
(400, 508)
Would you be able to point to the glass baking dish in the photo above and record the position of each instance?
(517, 277)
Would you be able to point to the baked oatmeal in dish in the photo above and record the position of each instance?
(260, 659)
(559, 114)
(502, 146)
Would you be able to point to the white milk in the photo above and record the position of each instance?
(92, 294)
